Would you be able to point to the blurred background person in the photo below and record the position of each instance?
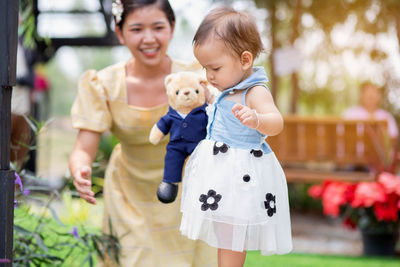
(369, 108)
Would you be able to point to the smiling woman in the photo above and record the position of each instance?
(127, 99)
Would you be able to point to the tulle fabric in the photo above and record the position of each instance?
(235, 200)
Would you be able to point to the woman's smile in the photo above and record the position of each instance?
(150, 52)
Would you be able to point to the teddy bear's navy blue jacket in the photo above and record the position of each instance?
(192, 128)
(185, 134)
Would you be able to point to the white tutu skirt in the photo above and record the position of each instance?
(236, 199)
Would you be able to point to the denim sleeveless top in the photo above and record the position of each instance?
(224, 127)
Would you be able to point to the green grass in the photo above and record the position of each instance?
(255, 259)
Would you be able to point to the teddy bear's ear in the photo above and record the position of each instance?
(168, 79)
(203, 81)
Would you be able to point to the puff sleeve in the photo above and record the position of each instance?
(90, 110)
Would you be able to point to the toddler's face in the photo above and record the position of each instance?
(223, 68)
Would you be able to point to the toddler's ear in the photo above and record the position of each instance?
(246, 59)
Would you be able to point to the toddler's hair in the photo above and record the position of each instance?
(237, 30)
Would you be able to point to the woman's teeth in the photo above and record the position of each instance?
(153, 50)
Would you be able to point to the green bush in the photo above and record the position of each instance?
(299, 199)
(43, 240)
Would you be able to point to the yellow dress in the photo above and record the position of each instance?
(148, 230)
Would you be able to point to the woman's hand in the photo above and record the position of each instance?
(83, 184)
(80, 160)
(246, 115)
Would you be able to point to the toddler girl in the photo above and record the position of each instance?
(234, 190)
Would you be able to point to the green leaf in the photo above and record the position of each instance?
(31, 123)
(40, 242)
(88, 258)
(96, 247)
(22, 230)
(55, 216)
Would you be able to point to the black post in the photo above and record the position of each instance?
(8, 56)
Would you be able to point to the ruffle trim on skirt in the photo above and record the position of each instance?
(266, 237)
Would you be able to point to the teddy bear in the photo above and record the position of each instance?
(186, 122)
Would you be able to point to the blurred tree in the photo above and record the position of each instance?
(372, 17)
(286, 25)
(290, 23)
(284, 20)
(271, 6)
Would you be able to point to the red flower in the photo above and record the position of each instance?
(390, 181)
(349, 194)
(387, 211)
(334, 196)
(315, 191)
(349, 223)
(370, 204)
(368, 193)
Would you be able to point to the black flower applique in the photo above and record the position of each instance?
(271, 209)
(220, 147)
(257, 153)
(210, 200)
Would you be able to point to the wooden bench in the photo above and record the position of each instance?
(312, 149)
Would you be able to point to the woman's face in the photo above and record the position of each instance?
(146, 32)
(370, 97)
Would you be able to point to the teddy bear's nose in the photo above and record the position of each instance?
(186, 93)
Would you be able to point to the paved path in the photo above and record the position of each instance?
(323, 235)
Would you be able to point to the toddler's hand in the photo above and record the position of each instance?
(246, 115)
(83, 184)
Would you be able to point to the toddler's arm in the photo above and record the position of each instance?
(260, 112)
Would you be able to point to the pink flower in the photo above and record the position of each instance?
(368, 193)
(315, 191)
(390, 181)
(335, 195)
